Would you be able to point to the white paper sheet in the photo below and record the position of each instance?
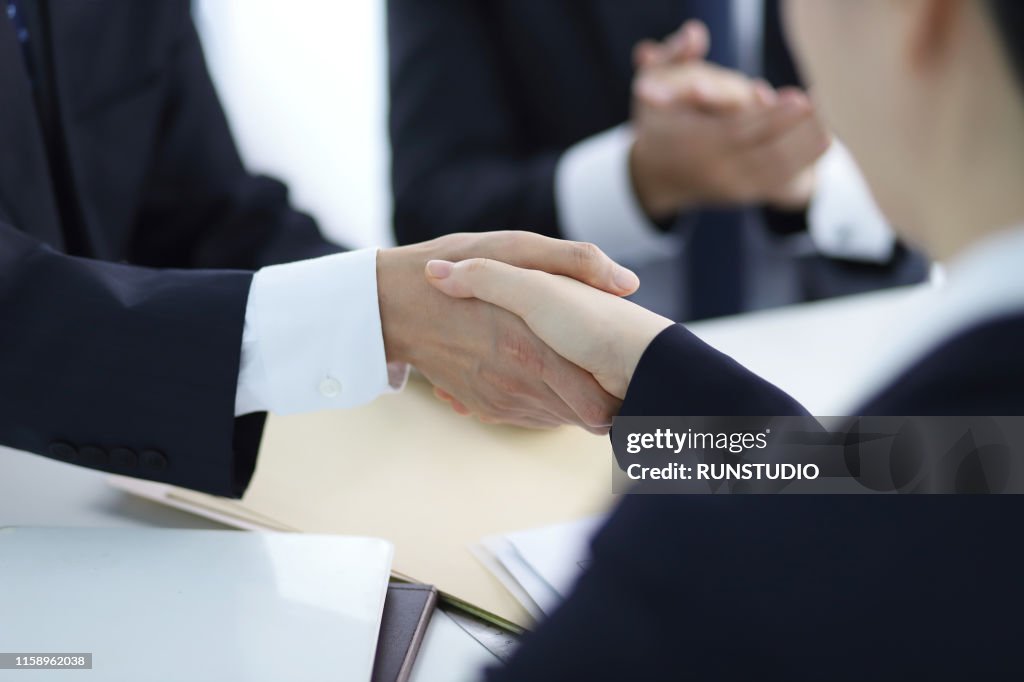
(542, 597)
(539, 566)
(559, 553)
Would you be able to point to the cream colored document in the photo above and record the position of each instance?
(408, 469)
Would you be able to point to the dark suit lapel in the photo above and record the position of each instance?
(72, 23)
(26, 190)
(622, 24)
(86, 26)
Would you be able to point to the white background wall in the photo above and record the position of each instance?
(304, 86)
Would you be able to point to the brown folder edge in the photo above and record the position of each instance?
(421, 629)
(465, 606)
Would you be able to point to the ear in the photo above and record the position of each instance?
(932, 30)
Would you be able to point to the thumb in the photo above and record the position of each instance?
(649, 54)
(500, 284)
(439, 274)
(697, 85)
(691, 41)
(580, 261)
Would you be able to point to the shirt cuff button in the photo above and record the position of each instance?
(330, 387)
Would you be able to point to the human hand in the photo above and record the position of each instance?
(603, 334)
(710, 136)
(482, 359)
(691, 41)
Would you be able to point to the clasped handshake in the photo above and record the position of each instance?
(517, 328)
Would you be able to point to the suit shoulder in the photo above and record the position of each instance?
(978, 372)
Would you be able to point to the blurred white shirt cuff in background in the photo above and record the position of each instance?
(312, 339)
(596, 201)
(844, 220)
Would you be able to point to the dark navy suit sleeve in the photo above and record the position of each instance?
(680, 375)
(124, 369)
(130, 369)
(796, 587)
(793, 588)
(200, 207)
(460, 161)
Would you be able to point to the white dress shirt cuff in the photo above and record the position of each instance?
(596, 202)
(844, 220)
(312, 339)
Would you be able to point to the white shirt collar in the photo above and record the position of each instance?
(983, 284)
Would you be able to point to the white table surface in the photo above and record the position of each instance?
(36, 491)
(824, 354)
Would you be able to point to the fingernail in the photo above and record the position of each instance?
(766, 93)
(679, 40)
(794, 102)
(440, 269)
(653, 91)
(626, 279)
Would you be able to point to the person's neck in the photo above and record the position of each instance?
(958, 238)
(978, 187)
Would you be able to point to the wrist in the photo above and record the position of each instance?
(645, 330)
(796, 196)
(656, 196)
(390, 299)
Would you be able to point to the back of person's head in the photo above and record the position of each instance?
(1009, 19)
(929, 96)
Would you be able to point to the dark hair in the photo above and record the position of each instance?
(1009, 19)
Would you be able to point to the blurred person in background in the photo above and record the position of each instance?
(565, 118)
(813, 587)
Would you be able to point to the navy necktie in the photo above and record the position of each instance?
(718, 15)
(779, 68)
(715, 274)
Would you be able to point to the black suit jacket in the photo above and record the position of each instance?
(800, 587)
(125, 358)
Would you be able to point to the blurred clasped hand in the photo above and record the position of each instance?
(482, 359)
(705, 135)
(600, 333)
